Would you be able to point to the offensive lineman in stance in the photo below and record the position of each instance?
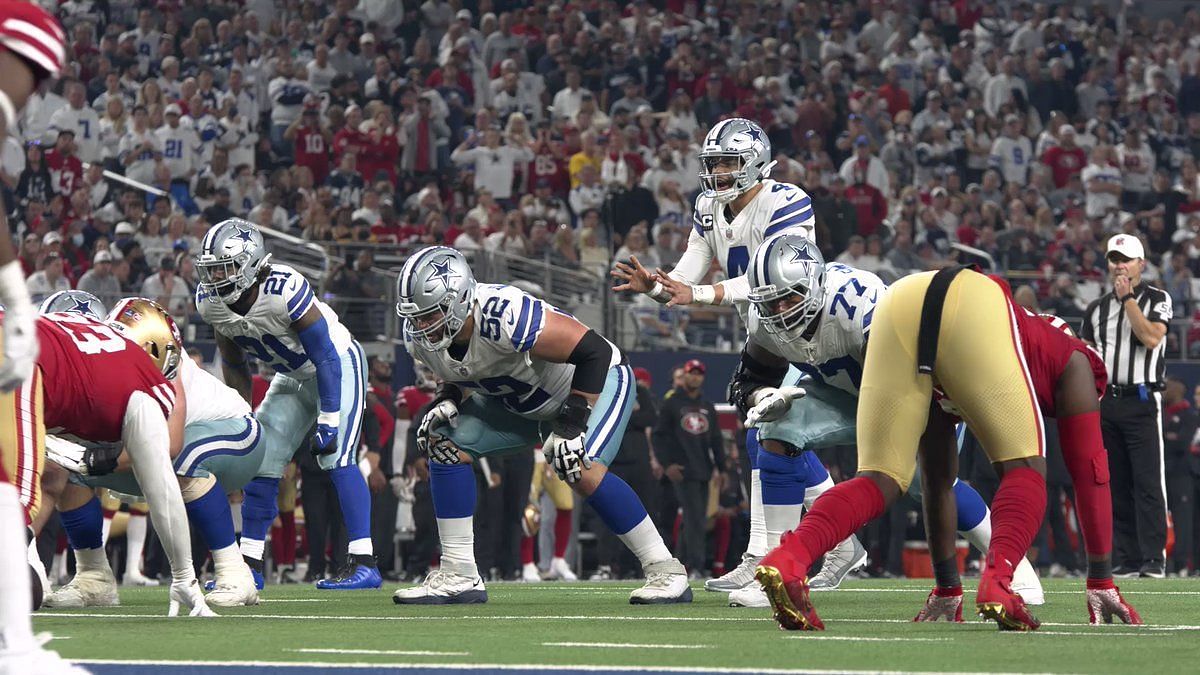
(957, 333)
(738, 208)
(513, 368)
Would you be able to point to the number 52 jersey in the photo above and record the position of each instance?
(89, 371)
(497, 362)
(265, 332)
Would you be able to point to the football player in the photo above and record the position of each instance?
(816, 317)
(738, 208)
(223, 447)
(517, 371)
(958, 333)
(269, 311)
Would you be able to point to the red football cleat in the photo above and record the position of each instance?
(942, 605)
(786, 585)
(995, 600)
(1105, 603)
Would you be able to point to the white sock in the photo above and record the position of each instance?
(16, 632)
(227, 558)
(980, 536)
(646, 543)
(457, 536)
(758, 524)
(779, 518)
(811, 494)
(361, 547)
(90, 559)
(105, 528)
(135, 543)
(253, 548)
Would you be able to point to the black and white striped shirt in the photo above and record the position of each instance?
(1127, 360)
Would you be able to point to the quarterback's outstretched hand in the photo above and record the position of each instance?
(772, 403)
(445, 412)
(186, 593)
(636, 277)
(680, 293)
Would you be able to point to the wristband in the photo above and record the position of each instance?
(1127, 297)
(658, 293)
(704, 295)
(332, 419)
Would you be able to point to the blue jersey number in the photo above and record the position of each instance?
(275, 283)
(517, 396)
(737, 261)
(87, 128)
(493, 310)
(173, 149)
(262, 351)
(839, 300)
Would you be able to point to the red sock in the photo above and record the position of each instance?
(526, 550)
(287, 520)
(952, 592)
(1017, 513)
(277, 543)
(722, 533)
(1100, 584)
(1083, 452)
(839, 513)
(562, 531)
(675, 530)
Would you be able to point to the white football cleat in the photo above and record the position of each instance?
(666, 583)
(136, 578)
(530, 573)
(559, 569)
(38, 660)
(89, 588)
(841, 561)
(1026, 584)
(233, 588)
(750, 596)
(738, 577)
(444, 587)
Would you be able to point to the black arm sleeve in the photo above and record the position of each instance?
(751, 375)
(591, 358)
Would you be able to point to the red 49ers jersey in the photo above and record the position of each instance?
(89, 372)
(414, 399)
(33, 34)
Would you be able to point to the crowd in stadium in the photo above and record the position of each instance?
(925, 132)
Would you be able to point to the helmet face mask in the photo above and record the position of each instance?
(232, 255)
(435, 292)
(787, 281)
(742, 152)
(719, 178)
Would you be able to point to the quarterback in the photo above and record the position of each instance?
(738, 208)
(516, 371)
(269, 311)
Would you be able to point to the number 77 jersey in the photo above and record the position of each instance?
(831, 350)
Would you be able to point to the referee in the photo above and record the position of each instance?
(1128, 326)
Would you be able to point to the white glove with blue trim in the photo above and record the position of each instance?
(772, 403)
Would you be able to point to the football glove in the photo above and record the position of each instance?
(444, 412)
(324, 440)
(567, 456)
(186, 593)
(772, 403)
(86, 459)
(444, 451)
(20, 348)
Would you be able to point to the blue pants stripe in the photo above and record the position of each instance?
(353, 430)
(238, 444)
(612, 415)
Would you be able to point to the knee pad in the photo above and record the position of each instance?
(260, 498)
(193, 488)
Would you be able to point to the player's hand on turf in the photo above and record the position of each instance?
(567, 456)
(636, 277)
(772, 403)
(186, 593)
(680, 292)
(20, 348)
(442, 414)
(324, 440)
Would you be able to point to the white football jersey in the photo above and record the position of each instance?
(86, 125)
(776, 207)
(265, 332)
(833, 352)
(208, 398)
(497, 362)
(180, 149)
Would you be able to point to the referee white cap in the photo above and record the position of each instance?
(1127, 245)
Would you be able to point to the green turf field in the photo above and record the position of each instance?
(558, 624)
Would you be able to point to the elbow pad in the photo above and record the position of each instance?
(750, 376)
(592, 358)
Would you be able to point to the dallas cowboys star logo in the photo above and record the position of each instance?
(443, 273)
(244, 234)
(755, 134)
(82, 307)
(800, 255)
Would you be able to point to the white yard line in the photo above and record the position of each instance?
(378, 652)
(848, 638)
(622, 645)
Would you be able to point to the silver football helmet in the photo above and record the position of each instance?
(231, 256)
(434, 295)
(787, 284)
(744, 141)
(74, 302)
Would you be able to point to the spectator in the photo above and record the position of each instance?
(422, 133)
(310, 141)
(588, 193)
(1065, 159)
(1180, 423)
(49, 280)
(99, 280)
(872, 167)
(66, 171)
(168, 290)
(81, 120)
(494, 164)
(288, 95)
(1012, 152)
(1136, 161)
(1102, 182)
(471, 238)
(870, 206)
